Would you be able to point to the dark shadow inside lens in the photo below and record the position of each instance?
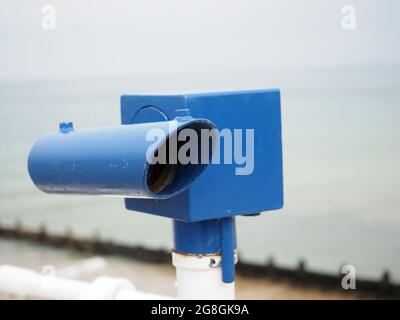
(169, 177)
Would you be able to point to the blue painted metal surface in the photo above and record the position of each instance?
(228, 245)
(219, 192)
(209, 237)
(107, 161)
(202, 237)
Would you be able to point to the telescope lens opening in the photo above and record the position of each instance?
(160, 176)
(171, 176)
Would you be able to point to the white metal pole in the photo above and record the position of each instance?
(199, 277)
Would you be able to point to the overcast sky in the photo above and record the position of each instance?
(132, 37)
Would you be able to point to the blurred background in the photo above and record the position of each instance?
(340, 90)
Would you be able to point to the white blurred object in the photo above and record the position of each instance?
(27, 283)
(87, 266)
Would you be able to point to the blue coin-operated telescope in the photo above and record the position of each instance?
(238, 172)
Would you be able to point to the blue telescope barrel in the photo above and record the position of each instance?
(117, 161)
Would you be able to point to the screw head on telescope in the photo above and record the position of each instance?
(66, 127)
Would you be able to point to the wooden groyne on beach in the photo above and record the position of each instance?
(299, 276)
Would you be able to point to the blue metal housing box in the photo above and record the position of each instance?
(219, 192)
